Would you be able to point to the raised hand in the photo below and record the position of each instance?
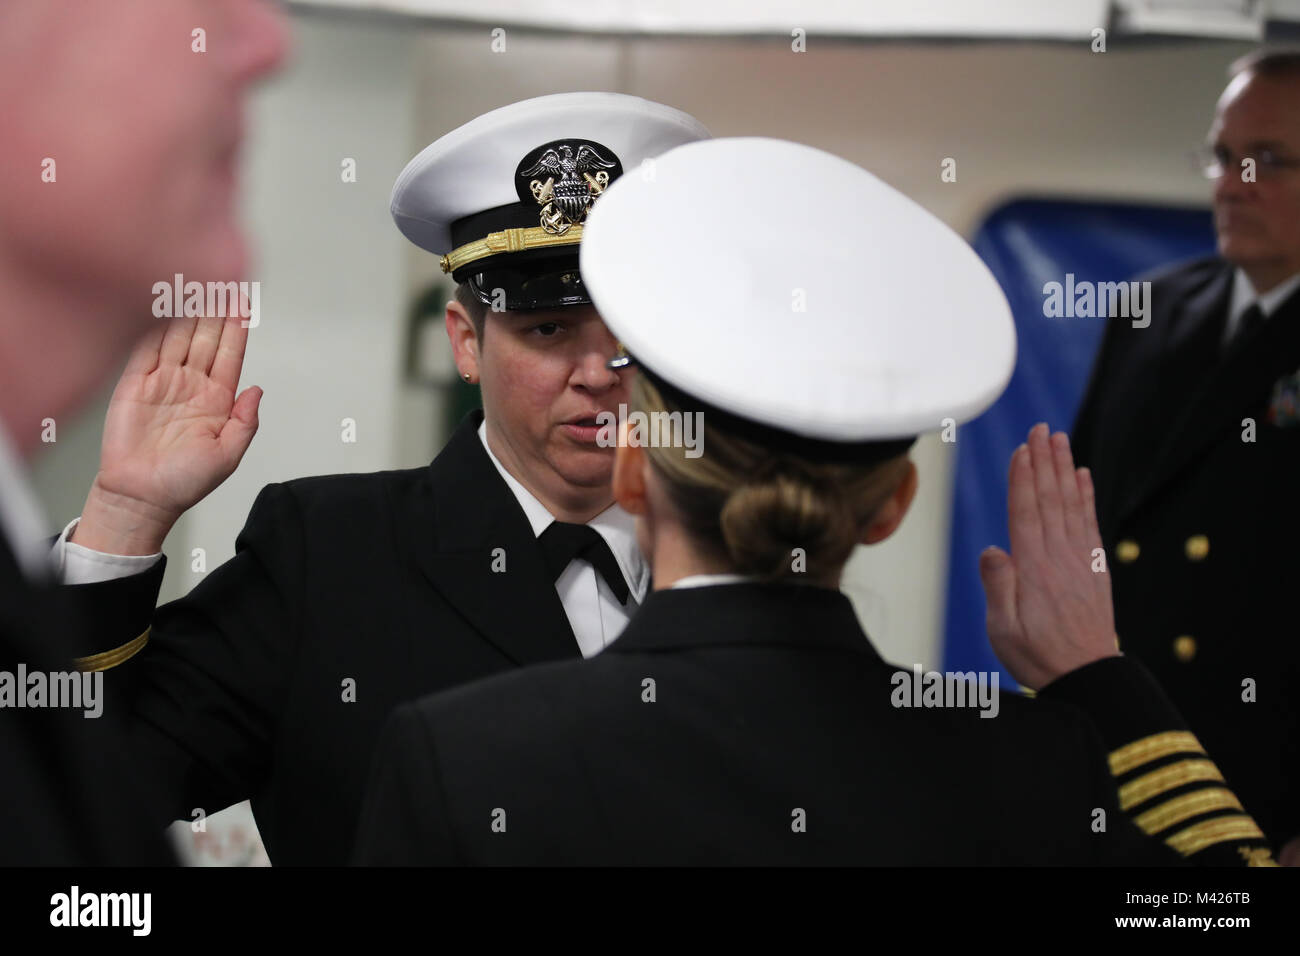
(175, 431)
(1049, 601)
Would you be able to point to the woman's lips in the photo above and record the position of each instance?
(584, 429)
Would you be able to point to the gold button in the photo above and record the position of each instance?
(1185, 648)
(1127, 551)
(1197, 547)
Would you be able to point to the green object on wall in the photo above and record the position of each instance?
(430, 306)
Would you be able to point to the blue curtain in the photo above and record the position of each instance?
(1026, 244)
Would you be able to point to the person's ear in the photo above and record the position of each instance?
(892, 512)
(464, 341)
(629, 480)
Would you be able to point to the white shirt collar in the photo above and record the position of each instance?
(708, 580)
(22, 519)
(615, 525)
(1244, 296)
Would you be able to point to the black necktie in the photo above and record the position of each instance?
(1249, 322)
(562, 542)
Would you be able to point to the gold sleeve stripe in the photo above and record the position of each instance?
(118, 655)
(1167, 778)
(1257, 856)
(1187, 806)
(508, 240)
(1219, 830)
(1153, 748)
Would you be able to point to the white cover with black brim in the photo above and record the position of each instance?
(788, 286)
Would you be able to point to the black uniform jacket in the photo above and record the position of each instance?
(69, 784)
(347, 595)
(756, 724)
(1202, 527)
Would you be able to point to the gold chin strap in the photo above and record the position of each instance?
(508, 240)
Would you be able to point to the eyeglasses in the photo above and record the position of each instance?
(621, 361)
(1213, 161)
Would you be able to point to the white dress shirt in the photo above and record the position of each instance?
(593, 611)
(1244, 296)
(74, 564)
(709, 580)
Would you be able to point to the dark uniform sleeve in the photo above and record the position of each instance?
(205, 689)
(71, 788)
(1116, 839)
(404, 821)
(1168, 786)
(117, 617)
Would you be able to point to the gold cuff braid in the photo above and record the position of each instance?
(1167, 778)
(1217, 830)
(118, 655)
(1143, 751)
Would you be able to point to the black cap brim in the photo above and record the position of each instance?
(779, 441)
(547, 282)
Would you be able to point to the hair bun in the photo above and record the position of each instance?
(780, 509)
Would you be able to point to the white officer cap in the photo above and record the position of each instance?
(796, 297)
(502, 199)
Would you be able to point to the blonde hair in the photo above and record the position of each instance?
(752, 507)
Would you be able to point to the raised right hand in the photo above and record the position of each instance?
(1049, 603)
(175, 431)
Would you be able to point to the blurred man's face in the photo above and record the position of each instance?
(144, 133)
(544, 380)
(1258, 223)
